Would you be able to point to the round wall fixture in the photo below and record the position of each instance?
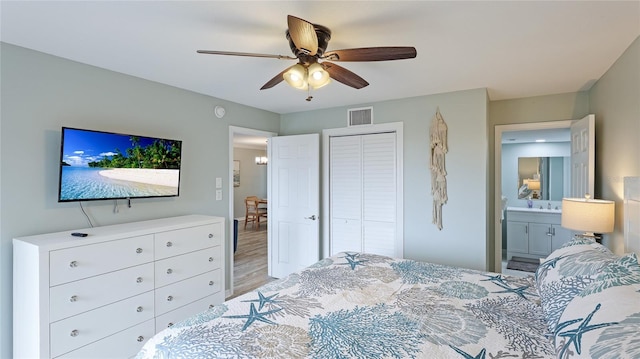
(219, 111)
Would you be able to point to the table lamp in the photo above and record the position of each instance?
(588, 215)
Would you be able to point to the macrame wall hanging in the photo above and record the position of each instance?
(438, 136)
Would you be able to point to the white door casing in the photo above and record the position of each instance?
(389, 219)
(499, 130)
(583, 157)
(294, 203)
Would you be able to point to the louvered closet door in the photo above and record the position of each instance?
(379, 192)
(363, 193)
(345, 178)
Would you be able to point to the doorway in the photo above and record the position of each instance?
(500, 130)
(582, 165)
(246, 178)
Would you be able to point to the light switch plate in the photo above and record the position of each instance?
(218, 182)
(218, 195)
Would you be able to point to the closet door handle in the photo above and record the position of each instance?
(313, 217)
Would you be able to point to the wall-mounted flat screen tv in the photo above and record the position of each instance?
(96, 165)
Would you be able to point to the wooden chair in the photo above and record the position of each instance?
(253, 212)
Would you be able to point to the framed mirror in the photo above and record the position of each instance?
(543, 178)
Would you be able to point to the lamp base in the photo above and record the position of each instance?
(594, 236)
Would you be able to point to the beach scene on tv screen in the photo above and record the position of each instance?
(99, 165)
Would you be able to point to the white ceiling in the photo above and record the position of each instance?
(513, 48)
(249, 141)
(530, 136)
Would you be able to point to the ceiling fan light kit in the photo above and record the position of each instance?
(318, 77)
(308, 43)
(296, 76)
(301, 77)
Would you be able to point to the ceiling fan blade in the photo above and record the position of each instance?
(344, 76)
(275, 80)
(303, 34)
(248, 54)
(372, 54)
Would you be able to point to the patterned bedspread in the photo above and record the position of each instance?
(357, 305)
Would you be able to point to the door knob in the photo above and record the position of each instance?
(313, 217)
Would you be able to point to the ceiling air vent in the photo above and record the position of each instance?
(360, 116)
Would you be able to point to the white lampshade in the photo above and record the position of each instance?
(534, 185)
(318, 77)
(296, 76)
(588, 215)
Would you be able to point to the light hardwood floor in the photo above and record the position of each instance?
(250, 259)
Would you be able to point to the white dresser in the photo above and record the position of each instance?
(104, 295)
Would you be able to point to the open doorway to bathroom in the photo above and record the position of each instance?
(511, 141)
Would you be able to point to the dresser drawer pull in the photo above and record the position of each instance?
(169, 244)
(210, 259)
(169, 298)
(73, 264)
(139, 250)
(169, 325)
(139, 280)
(169, 271)
(73, 298)
(140, 338)
(210, 235)
(139, 309)
(210, 282)
(74, 333)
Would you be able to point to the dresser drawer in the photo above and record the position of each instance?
(174, 269)
(175, 316)
(70, 264)
(182, 293)
(80, 296)
(172, 243)
(124, 344)
(80, 330)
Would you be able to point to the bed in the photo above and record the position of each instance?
(368, 306)
(582, 302)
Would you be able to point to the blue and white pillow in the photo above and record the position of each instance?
(565, 273)
(603, 321)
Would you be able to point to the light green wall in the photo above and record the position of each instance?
(40, 93)
(465, 114)
(615, 100)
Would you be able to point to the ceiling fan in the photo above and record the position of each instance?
(308, 42)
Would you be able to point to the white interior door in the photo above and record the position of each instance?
(583, 156)
(294, 203)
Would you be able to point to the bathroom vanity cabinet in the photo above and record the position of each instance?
(534, 233)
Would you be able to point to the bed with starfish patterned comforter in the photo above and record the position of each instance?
(356, 305)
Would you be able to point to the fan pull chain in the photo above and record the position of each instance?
(309, 97)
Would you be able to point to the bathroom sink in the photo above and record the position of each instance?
(534, 209)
